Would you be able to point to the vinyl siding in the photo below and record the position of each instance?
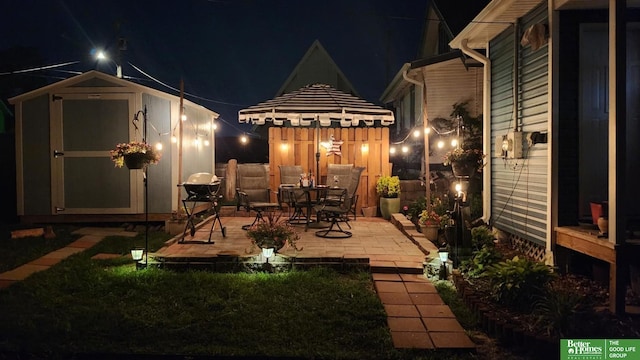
(519, 186)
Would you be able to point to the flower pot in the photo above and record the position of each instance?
(430, 232)
(462, 169)
(134, 161)
(389, 206)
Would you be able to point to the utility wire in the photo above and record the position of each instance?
(39, 68)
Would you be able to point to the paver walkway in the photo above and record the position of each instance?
(90, 237)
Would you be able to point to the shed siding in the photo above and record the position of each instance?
(36, 155)
(159, 125)
(519, 186)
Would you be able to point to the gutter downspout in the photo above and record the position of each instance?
(425, 126)
(486, 126)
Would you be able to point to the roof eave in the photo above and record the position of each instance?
(497, 16)
(396, 84)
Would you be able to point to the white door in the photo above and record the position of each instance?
(84, 128)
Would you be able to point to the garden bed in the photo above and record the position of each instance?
(575, 307)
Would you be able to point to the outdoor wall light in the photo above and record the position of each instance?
(137, 254)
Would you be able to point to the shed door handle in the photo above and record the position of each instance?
(57, 153)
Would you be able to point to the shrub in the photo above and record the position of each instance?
(514, 282)
(388, 186)
(560, 311)
(480, 261)
(482, 236)
(416, 208)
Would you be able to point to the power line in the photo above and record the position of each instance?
(177, 90)
(40, 68)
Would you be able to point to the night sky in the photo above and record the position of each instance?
(230, 53)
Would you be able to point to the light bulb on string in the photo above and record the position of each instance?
(174, 139)
(243, 139)
(159, 146)
(427, 130)
(416, 133)
(392, 150)
(206, 143)
(405, 149)
(440, 144)
(454, 142)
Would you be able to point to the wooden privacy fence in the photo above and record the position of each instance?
(366, 147)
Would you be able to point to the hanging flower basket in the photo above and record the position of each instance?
(135, 155)
(464, 162)
(462, 168)
(134, 161)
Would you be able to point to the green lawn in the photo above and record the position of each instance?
(16, 252)
(88, 307)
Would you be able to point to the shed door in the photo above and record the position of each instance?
(84, 128)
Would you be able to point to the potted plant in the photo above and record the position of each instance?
(431, 222)
(273, 233)
(388, 187)
(134, 154)
(464, 162)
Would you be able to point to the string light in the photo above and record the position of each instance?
(392, 150)
(416, 133)
(440, 144)
(243, 139)
(454, 142)
(206, 143)
(159, 146)
(405, 149)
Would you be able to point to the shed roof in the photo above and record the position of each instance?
(103, 83)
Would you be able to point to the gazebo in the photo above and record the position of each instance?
(318, 120)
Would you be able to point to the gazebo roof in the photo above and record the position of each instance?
(317, 102)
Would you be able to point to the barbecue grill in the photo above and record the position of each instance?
(202, 188)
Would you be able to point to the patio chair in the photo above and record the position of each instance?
(352, 188)
(253, 193)
(335, 212)
(295, 199)
(339, 174)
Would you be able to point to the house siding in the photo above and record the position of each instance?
(519, 186)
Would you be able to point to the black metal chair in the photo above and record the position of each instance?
(253, 192)
(288, 194)
(202, 187)
(334, 205)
